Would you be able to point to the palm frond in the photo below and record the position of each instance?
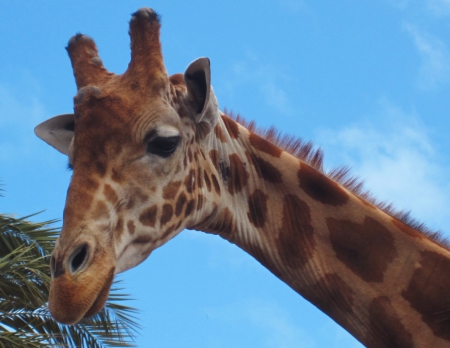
(25, 321)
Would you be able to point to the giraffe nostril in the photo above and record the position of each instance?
(79, 258)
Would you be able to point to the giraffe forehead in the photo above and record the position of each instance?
(118, 103)
(103, 133)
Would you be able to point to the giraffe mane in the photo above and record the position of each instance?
(307, 152)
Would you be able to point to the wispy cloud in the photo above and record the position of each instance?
(439, 7)
(398, 160)
(270, 81)
(435, 56)
(436, 8)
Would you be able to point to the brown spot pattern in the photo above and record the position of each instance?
(136, 197)
(117, 176)
(89, 184)
(214, 155)
(199, 178)
(119, 227)
(231, 126)
(101, 210)
(143, 240)
(366, 249)
(131, 227)
(257, 206)
(238, 174)
(200, 201)
(265, 170)
(189, 208)
(190, 181)
(428, 292)
(100, 167)
(295, 240)
(167, 232)
(110, 194)
(207, 181)
(386, 328)
(219, 134)
(148, 216)
(224, 171)
(171, 190)
(180, 203)
(167, 213)
(215, 183)
(319, 187)
(263, 145)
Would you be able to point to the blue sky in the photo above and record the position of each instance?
(367, 81)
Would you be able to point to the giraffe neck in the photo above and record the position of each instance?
(384, 282)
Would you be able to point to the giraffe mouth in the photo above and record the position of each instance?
(70, 301)
(101, 298)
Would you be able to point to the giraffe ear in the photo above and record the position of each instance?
(57, 132)
(200, 92)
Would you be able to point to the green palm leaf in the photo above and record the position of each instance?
(25, 321)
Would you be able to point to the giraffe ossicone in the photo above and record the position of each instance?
(152, 155)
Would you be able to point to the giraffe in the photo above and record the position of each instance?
(153, 155)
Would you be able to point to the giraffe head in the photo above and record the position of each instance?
(136, 144)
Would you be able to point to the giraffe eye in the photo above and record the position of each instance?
(163, 146)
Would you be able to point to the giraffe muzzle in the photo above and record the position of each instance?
(80, 282)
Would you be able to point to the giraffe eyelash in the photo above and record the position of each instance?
(163, 146)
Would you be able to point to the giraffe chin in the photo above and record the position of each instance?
(69, 303)
(99, 303)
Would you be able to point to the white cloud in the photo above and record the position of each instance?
(270, 80)
(275, 96)
(439, 7)
(435, 55)
(398, 161)
(436, 8)
(276, 327)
